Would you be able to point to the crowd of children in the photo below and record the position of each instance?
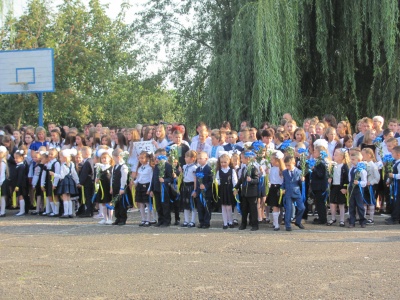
(285, 171)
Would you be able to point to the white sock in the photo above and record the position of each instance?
(371, 212)
(224, 215)
(194, 213)
(65, 203)
(101, 208)
(186, 213)
(142, 213)
(104, 212)
(56, 208)
(70, 208)
(38, 203)
(229, 214)
(267, 208)
(275, 216)
(53, 209)
(235, 214)
(110, 214)
(3, 206)
(341, 210)
(333, 212)
(21, 207)
(365, 211)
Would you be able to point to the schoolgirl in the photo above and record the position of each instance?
(37, 166)
(68, 181)
(49, 183)
(3, 180)
(118, 184)
(188, 188)
(275, 180)
(103, 181)
(373, 178)
(142, 184)
(339, 182)
(226, 178)
(19, 181)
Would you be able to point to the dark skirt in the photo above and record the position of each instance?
(67, 186)
(261, 187)
(141, 195)
(38, 190)
(336, 196)
(371, 200)
(186, 195)
(5, 188)
(226, 194)
(22, 191)
(103, 195)
(274, 195)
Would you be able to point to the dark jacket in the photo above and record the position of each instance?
(207, 181)
(248, 188)
(86, 174)
(319, 177)
(156, 184)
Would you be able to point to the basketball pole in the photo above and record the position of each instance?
(40, 98)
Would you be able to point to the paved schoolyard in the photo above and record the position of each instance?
(51, 258)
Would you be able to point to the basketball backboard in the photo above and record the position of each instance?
(27, 71)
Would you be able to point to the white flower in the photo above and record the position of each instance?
(212, 161)
(247, 144)
(321, 143)
(279, 154)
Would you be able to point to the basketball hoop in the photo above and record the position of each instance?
(24, 85)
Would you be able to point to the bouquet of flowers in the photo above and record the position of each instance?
(173, 155)
(259, 150)
(378, 144)
(161, 165)
(303, 160)
(322, 156)
(359, 168)
(311, 163)
(285, 145)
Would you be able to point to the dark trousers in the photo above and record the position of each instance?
(396, 204)
(163, 208)
(248, 205)
(120, 210)
(175, 207)
(388, 202)
(88, 200)
(356, 202)
(320, 206)
(204, 210)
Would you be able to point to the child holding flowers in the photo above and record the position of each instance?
(319, 179)
(103, 176)
(162, 177)
(226, 178)
(395, 175)
(373, 178)
(357, 182)
(339, 182)
(118, 188)
(188, 188)
(204, 182)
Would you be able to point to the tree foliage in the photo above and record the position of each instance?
(256, 60)
(96, 67)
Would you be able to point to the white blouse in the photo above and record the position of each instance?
(226, 170)
(144, 174)
(274, 176)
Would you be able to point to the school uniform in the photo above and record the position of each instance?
(204, 204)
(161, 194)
(231, 147)
(200, 147)
(356, 200)
(340, 181)
(292, 186)
(319, 186)
(86, 175)
(119, 181)
(248, 196)
(4, 187)
(69, 180)
(187, 187)
(38, 193)
(214, 151)
(142, 182)
(19, 179)
(395, 215)
(226, 179)
(104, 175)
(274, 193)
(373, 178)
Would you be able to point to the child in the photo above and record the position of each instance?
(373, 178)
(215, 144)
(86, 176)
(19, 179)
(357, 181)
(69, 180)
(267, 137)
(103, 176)
(56, 141)
(248, 182)
(235, 159)
(204, 190)
(232, 139)
(395, 215)
(275, 180)
(319, 180)
(49, 183)
(333, 141)
(159, 186)
(142, 184)
(182, 148)
(339, 181)
(200, 144)
(37, 174)
(291, 188)
(348, 142)
(119, 182)
(188, 187)
(227, 179)
(3, 180)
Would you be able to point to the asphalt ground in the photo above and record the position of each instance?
(52, 258)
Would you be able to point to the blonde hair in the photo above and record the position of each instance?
(280, 162)
(345, 155)
(370, 153)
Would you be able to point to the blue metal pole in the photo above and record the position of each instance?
(40, 97)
